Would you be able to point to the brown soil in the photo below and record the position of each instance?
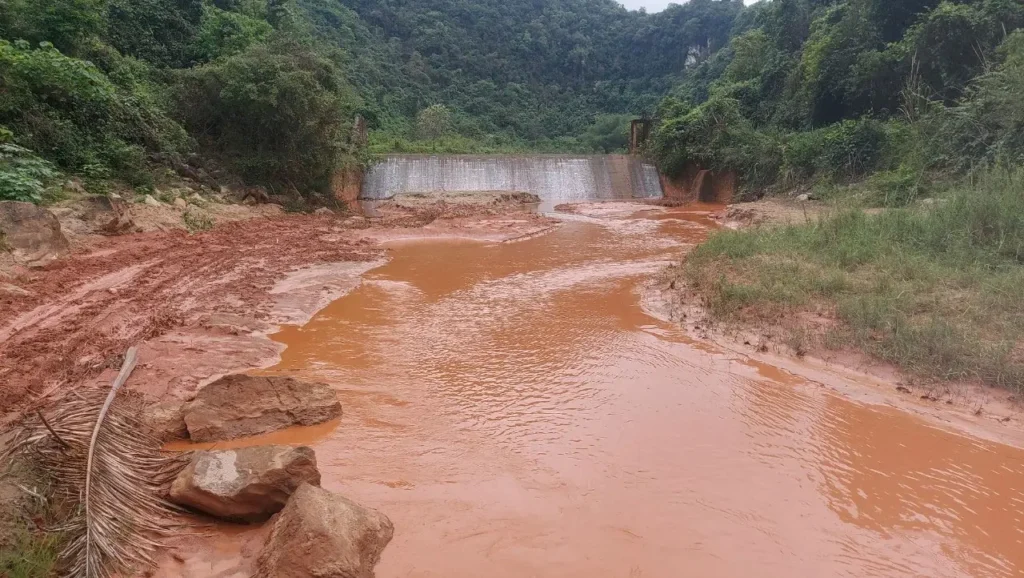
(771, 211)
(200, 305)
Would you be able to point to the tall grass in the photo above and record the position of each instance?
(937, 289)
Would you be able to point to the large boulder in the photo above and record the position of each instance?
(243, 405)
(324, 535)
(32, 234)
(108, 215)
(248, 484)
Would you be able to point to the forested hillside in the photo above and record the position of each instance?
(267, 90)
(784, 92)
(906, 119)
(819, 92)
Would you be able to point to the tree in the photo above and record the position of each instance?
(433, 122)
(64, 23)
(278, 114)
(609, 133)
(161, 32)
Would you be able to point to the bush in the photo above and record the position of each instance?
(161, 32)
(69, 112)
(716, 136)
(23, 175)
(987, 127)
(609, 133)
(279, 115)
(224, 33)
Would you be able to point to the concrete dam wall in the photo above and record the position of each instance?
(554, 178)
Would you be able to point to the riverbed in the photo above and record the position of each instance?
(516, 412)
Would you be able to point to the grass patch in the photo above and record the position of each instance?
(27, 549)
(935, 288)
(197, 221)
(29, 554)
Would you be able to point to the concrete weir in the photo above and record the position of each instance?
(554, 178)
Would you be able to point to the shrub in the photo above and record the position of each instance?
(69, 112)
(160, 32)
(23, 175)
(223, 33)
(716, 136)
(987, 126)
(279, 115)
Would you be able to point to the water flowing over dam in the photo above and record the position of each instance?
(554, 178)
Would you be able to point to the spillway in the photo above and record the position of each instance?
(554, 178)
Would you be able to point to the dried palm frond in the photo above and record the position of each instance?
(109, 472)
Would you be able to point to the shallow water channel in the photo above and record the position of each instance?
(516, 413)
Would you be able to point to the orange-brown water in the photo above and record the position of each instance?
(516, 413)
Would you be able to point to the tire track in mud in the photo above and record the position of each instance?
(63, 331)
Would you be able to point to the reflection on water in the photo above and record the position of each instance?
(515, 413)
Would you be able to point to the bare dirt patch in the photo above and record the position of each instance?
(200, 304)
(771, 211)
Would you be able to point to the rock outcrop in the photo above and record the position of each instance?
(248, 484)
(32, 234)
(325, 535)
(166, 419)
(243, 405)
(108, 215)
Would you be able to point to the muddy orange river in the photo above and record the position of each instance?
(516, 413)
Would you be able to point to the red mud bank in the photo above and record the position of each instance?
(697, 184)
(200, 305)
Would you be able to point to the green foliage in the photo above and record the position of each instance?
(29, 555)
(987, 127)
(161, 32)
(197, 221)
(933, 288)
(67, 24)
(278, 114)
(69, 112)
(23, 175)
(225, 33)
(715, 135)
(433, 122)
(609, 133)
(845, 150)
(836, 90)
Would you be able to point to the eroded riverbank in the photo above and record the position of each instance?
(515, 411)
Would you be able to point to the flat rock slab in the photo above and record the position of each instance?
(248, 484)
(322, 534)
(244, 405)
(32, 234)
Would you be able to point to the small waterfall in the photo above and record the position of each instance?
(554, 178)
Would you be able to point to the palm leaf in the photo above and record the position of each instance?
(109, 473)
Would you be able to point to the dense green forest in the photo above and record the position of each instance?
(268, 90)
(830, 92)
(783, 92)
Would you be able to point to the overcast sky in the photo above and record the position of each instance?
(657, 5)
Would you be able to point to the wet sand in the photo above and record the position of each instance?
(516, 413)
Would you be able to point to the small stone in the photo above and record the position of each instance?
(149, 200)
(166, 419)
(180, 202)
(323, 211)
(804, 197)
